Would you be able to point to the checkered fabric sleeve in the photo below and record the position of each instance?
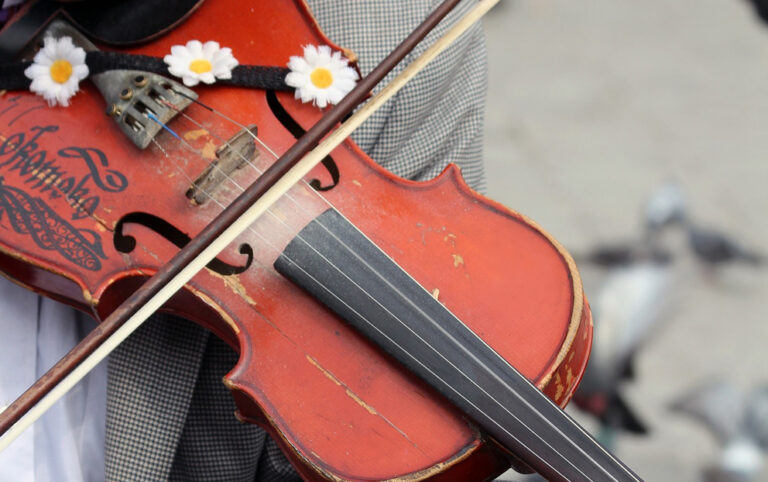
(437, 118)
(169, 417)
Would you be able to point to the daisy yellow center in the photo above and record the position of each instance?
(200, 66)
(321, 78)
(61, 70)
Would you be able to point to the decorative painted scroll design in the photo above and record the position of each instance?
(57, 173)
(33, 217)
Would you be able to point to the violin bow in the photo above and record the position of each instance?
(289, 169)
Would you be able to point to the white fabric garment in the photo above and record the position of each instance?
(67, 443)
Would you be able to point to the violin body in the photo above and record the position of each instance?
(74, 189)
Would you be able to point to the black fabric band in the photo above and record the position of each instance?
(253, 76)
(12, 76)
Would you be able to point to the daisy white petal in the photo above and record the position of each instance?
(42, 85)
(78, 57)
(177, 51)
(322, 76)
(195, 48)
(208, 77)
(225, 59)
(63, 95)
(335, 95)
(176, 66)
(324, 51)
(210, 48)
(337, 63)
(344, 85)
(221, 72)
(310, 53)
(80, 71)
(176, 71)
(57, 70)
(296, 80)
(64, 45)
(49, 50)
(306, 95)
(298, 64)
(321, 99)
(190, 80)
(36, 70)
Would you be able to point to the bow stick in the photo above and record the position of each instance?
(289, 169)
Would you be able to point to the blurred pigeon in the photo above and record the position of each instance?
(628, 306)
(610, 255)
(626, 310)
(665, 207)
(739, 423)
(761, 8)
(714, 248)
(619, 255)
(757, 416)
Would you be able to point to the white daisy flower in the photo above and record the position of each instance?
(199, 61)
(57, 70)
(320, 76)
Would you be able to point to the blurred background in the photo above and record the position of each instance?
(635, 132)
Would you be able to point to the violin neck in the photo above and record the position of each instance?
(413, 327)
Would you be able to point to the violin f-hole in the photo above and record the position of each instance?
(125, 243)
(297, 131)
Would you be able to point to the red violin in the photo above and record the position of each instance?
(326, 292)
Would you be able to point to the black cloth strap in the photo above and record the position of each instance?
(254, 76)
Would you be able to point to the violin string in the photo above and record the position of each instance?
(437, 325)
(195, 151)
(247, 161)
(218, 113)
(258, 171)
(245, 129)
(210, 195)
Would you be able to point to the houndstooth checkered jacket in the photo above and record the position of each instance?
(168, 414)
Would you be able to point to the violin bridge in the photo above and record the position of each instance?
(132, 95)
(231, 156)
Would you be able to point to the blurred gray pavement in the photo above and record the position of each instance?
(592, 105)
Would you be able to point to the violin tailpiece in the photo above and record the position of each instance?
(132, 96)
